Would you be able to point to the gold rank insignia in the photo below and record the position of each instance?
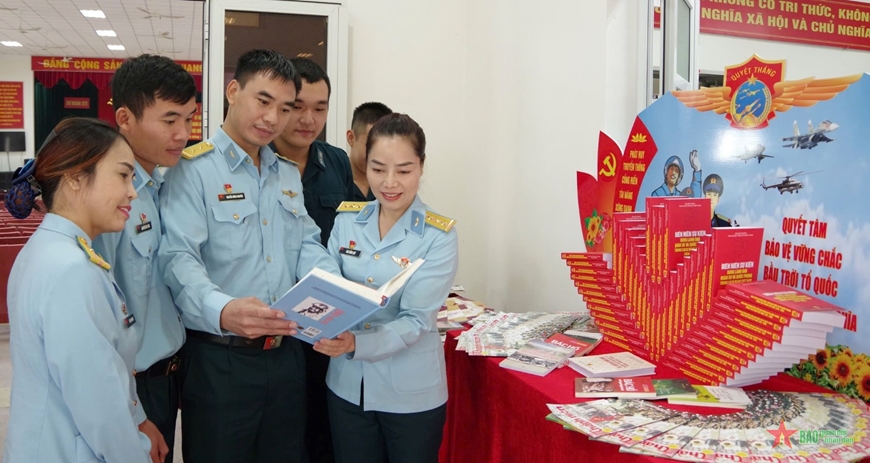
(289, 193)
(197, 150)
(351, 206)
(93, 256)
(439, 221)
(285, 159)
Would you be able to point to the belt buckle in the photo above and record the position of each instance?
(272, 342)
(173, 365)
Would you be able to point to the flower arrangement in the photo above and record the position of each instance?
(838, 369)
(596, 227)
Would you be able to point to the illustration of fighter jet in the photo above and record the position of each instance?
(753, 152)
(788, 184)
(813, 137)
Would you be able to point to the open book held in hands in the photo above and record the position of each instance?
(324, 305)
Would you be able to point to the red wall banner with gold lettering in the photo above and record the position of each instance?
(831, 23)
(11, 105)
(53, 63)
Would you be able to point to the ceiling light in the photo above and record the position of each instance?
(94, 14)
(115, 47)
(107, 33)
(11, 44)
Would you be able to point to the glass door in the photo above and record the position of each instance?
(317, 31)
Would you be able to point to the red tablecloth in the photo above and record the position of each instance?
(497, 415)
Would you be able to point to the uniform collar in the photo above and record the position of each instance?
(235, 155)
(315, 156)
(64, 226)
(413, 220)
(141, 178)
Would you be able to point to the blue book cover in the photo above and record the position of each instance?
(325, 305)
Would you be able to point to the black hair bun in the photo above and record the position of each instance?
(20, 200)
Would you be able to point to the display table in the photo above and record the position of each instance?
(497, 415)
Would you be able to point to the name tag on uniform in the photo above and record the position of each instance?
(129, 321)
(231, 197)
(349, 252)
(143, 228)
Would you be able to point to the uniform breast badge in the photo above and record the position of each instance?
(145, 225)
(403, 262)
(229, 195)
(291, 194)
(349, 250)
(129, 319)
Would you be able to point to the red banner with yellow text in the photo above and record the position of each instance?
(11, 105)
(831, 23)
(54, 63)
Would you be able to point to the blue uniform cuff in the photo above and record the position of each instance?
(214, 303)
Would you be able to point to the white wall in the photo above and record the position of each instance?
(512, 97)
(17, 69)
(715, 52)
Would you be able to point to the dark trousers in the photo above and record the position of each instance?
(159, 398)
(378, 437)
(242, 405)
(318, 435)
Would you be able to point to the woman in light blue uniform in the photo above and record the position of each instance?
(387, 381)
(72, 341)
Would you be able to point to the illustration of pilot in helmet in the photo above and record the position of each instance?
(713, 189)
(673, 173)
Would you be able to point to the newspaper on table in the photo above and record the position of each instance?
(500, 334)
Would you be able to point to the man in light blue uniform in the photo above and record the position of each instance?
(673, 173)
(237, 238)
(154, 100)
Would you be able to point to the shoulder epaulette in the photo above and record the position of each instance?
(351, 206)
(92, 255)
(285, 159)
(197, 150)
(722, 217)
(439, 221)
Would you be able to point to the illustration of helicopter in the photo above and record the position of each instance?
(788, 183)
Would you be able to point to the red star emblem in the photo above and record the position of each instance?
(781, 434)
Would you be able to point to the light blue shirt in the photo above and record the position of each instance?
(133, 256)
(234, 232)
(398, 349)
(73, 394)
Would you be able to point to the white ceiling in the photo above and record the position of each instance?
(174, 28)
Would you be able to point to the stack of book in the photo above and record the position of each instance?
(621, 364)
(678, 292)
(499, 334)
(713, 396)
(537, 357)
(640, 387)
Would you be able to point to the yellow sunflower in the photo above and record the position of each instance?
(820, 360)
(841, 370)
(846, 351)
(861, 376)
